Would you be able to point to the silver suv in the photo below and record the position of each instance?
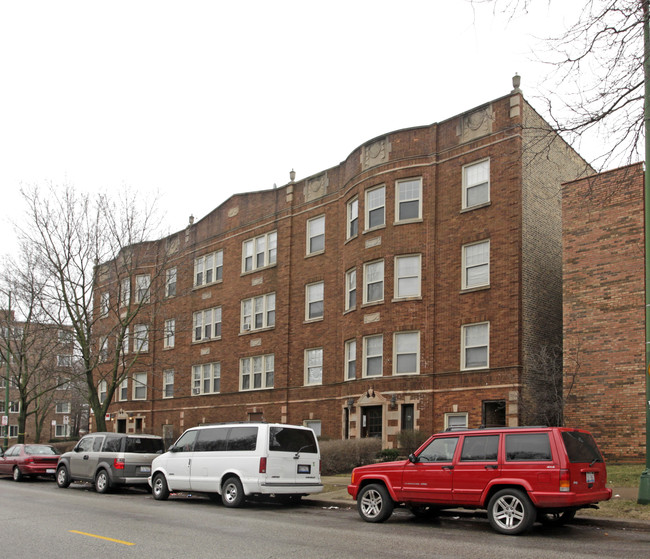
(109, 460)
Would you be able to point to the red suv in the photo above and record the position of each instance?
(518, 474)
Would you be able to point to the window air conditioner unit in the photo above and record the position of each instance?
(247, 326)
(196, 391)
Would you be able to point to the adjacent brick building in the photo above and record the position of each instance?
(407, 287)
(604, 309)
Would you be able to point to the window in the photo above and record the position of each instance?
(104, 305)
(125, 292)
(408, 194)
(480, 448)
(527, 447)
(476, 265)
(14, 407)
(406, 349)
(102, 389)
(208, 269)
(170, 282)
(475, 345)
(168, 383)
(259, 252)
(476, 184)
(316, 235)
(408, 417)
(207, 324)
(170, 333)
(494, 413)
(125, 341)
(455, 421)
(373, 282)
(439, 450)
(256, 372)
(314, 305)
(64, 360)
(142, 288)
(123, 391)
(258, 312)
(141, 338)
(350, 359)
(353, 218)
(63, 407)
(13, 431)
(350, 289)
(315, 425)
(206, 378)
(103, 349)
(314, 366)
(375, 207)
(61, 431)
(407, 276)
(140, 386)
(373, 347)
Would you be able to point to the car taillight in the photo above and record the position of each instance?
(29, 460)
(565, 480)
(118, 463)
(263, 465)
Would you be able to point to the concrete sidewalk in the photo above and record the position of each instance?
(336, 495)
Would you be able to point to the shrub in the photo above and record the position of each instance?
(409, 440)
(342, 456)
(389, 454)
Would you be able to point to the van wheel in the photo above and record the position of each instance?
(102, 482)
(374, 503)
(511, 512)
(556, 518)
(62, 477)
(160, 489)
(232, 493)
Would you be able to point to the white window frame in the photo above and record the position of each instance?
(103, 349)
(403, 275)
(397, 353)
(141, 338)
(125, 292)
(471, 264)
(104, 304)
(249, 371)
(375, 356)
(63, 407)
(61, 431)
(208, 269)
(14, 406)
(255, 308)
(207, 324)
(64, 361)
(171, 280)
(314, 366)
(350, 289)
(469, 183)
(169, 341)
(261, 250)
(366, 283)
(404, 195)
(206, 378)
(123, 391)
(316, 234)
(102, 391)
(379, 204)
(352, 219)
(168, 384)
(125, 341)
(350, 358)
(314, 294)
(465, 346)
(455, 415)
(315, 425)
(142, 288)
(139, 385)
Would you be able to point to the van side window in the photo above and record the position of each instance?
(143, 445)
(439, 450)
(529, 446)
(97, 444)
(286, 439)
(186, 442)
(481, 448)
(85, 444)
(210, 440)
(242, 438)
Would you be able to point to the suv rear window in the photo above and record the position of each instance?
(528, 446)
(142, 445)
(286, 439)
(581, 447)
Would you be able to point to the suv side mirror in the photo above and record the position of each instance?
(413, 459)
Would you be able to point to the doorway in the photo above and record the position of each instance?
(371, 422)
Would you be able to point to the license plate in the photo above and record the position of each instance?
(145, 469)
(50, 471)
(591, 477)
(304, 469)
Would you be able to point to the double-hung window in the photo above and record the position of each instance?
(170, 333)
(408, 194)
(123, 390)
(260, 252)
(407, 276)
(125, 292)
(142, 288)
(141, 338)
(350, 359)
(105, 304)
(373, 282)
(373, 350)
(258, 312)
(376, 207)
(63, 407)
(350, 289)
(140, 386)
(207, 324)
(170, 282)
(475, 346)
(206, 378)
(102, 391)
(352, 229)
(314, 366)
(476, 265)
(168, 383)
(208, 268)
(406, 349)
(256, 372)
(476, 184)
(316, 235)
(315, 300)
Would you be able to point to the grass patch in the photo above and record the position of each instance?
(619, 508)
(624, 475)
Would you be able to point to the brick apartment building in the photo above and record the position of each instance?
(405, 288)
(604, 309)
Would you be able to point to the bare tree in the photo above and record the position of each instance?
(72, 234)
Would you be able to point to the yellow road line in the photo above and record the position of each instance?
(100, 537)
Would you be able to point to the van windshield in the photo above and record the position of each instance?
(289, 439)
(581, 447)
(143, 445)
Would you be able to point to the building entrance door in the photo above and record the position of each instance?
(371, 422)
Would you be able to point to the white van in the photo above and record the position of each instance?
(239, 460)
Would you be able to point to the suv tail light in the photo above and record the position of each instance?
(565, 481)
(263, 465)
(118, 463)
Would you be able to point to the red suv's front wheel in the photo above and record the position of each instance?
(374, 503)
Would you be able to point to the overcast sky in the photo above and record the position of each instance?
(198, 100)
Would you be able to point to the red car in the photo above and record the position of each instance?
(21, 460)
